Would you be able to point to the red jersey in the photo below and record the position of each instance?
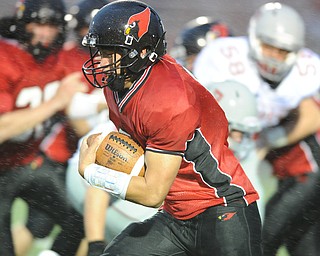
(24, 83)
(295, 160)
(168, 111)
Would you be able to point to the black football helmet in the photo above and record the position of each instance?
(195, 35)
(81, 14)
(42, 12)
(126, 28)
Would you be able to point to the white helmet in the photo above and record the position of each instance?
(282, 27)
(240, 107)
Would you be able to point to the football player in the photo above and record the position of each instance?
(104, 215)
(33, 89)
(241, 109)
(284, 75)
(63, 135)
(205, 197)
(82, 113)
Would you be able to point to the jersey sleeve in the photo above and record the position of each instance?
(172, 135)
(7, 100)
(6, 103)
(8, 74)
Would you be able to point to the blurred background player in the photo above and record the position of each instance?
(86, 112)
(62, 138)
(194, 36)
(84, 105)
(285, 76)
(33, 89)
(76, 120)
(240, 107)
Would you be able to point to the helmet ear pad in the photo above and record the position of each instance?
(137, 62)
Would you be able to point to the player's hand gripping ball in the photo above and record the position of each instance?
(119, 152)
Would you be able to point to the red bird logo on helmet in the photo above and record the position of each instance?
(137, 26)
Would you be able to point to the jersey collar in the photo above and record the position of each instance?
(122, 102)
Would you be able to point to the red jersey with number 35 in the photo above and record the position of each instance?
(168, 111)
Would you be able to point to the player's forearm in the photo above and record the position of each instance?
(140, 192)
(95, 208)
(152, 189)
(17, 122)
(80, 126)
(133, 188)
(308, 122)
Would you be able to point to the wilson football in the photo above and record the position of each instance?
(119, 152)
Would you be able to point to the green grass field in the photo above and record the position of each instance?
(19, 216)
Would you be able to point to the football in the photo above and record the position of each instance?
(119, 152)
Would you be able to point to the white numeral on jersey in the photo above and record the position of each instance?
(32, 97)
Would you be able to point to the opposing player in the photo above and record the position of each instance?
(63, 135)
(190, 171)
(240, 107)
(284, 75)
(194, 36)
(31, 94)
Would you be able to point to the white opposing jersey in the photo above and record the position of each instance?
(228, 58)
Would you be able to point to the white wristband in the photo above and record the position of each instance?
(107, 179)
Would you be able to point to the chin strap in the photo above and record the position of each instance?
(119, 81)
(117, 84)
